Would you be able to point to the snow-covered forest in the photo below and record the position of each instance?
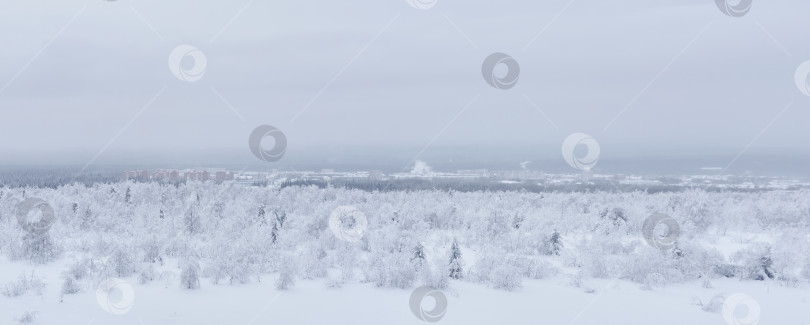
(199, 236)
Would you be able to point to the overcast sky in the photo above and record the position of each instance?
(85, 79)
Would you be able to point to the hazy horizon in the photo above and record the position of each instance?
(442, 159)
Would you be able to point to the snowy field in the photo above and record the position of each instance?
(547, 301)
(206, 253)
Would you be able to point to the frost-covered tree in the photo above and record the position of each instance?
(39, 248)
(756, 262)
(504, 271)
(553, 245)
(70, 286)
(274, 232)
(506, 277)
(456, 264)
(611, 221)
(122, 262)
(517, 221)
(88, 219)
(232, 260)
(391, 270)
(281, 216)
(346, 260)
(151, 250)
(147, 273)
(192, 220)
(190, 274)
(314, 263)
(418, 258)
(261, 215)
(287, 270)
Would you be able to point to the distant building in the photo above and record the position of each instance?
(161, 175)
(141, 175)
(223, 176)
(523, 174)
(194, 175)
(473, 172)
(176, 176)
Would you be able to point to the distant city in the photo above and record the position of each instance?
(425, 173)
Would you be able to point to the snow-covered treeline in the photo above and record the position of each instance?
(198, 234)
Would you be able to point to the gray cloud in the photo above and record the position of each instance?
(408, 84)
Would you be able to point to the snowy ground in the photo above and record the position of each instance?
(547, 301)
